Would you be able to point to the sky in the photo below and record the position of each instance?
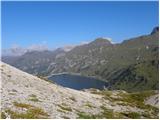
(57, 24)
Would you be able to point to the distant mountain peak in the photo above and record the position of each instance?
(155, 30)
(102, 41)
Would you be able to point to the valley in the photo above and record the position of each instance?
(93, 81)
(131, 65)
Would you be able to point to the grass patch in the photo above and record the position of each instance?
(60, 110)
(2, 115)
(83, 115)
(105, 93)
(65, 117)
(137, 100)
(37, 112)
(11, 93)
(22, 105)
(89, 105)
(32, 112)
(126, 97)
(133, 115)
(105, 114)
(65, 107)
(33, 98)
(138, 96)
(132, 99)
(147, 115)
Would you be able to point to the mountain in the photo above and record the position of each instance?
(155, 30)
(18, 51)
(34, 62)
(131, 65)
(24, 96)
(15, 51)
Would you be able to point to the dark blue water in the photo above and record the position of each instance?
(78, 82)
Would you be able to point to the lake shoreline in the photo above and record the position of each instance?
(78, 74)
(78, 81)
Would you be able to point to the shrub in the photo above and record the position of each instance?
(133, 115)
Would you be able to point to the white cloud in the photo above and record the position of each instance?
(37, 47)
(110, 39)
(84, 42)
(17, 50)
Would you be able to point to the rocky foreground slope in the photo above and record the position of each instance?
(26, 96)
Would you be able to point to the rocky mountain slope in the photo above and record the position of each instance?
(131, 65)
(26, 96)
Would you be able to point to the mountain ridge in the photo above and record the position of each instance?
(102, 59)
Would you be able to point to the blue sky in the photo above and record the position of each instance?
(58, 24)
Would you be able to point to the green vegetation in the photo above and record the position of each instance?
(60, 110)
(110, 114)
(134, 99)
(65, 107)
(22, 105)
(89, 105)
(33, 98)
(144, 76)
(133, 115)
(2, 115)
(31, 113)
(106, 113)
(137, 100)
(11, 93)
(65, 117)
(137, 96)
(34, 113)
(83, 115)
